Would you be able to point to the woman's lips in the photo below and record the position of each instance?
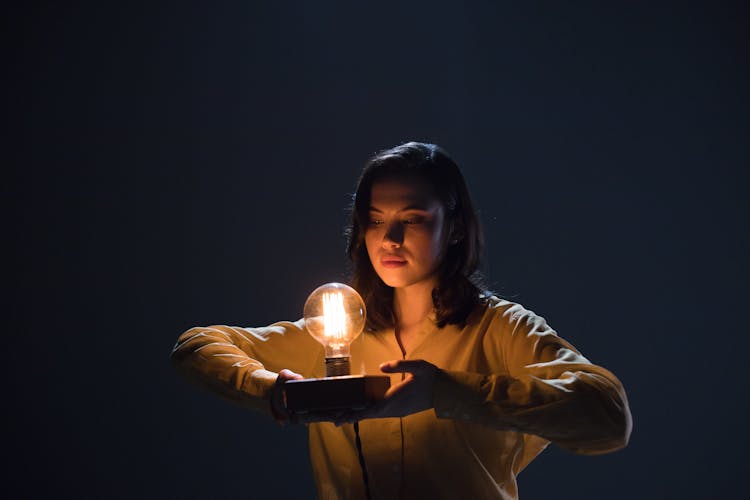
(391, 262)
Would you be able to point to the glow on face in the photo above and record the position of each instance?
(404, 234)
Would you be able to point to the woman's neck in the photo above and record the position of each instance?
(413, 304)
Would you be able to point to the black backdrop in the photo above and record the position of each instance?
(190, 163)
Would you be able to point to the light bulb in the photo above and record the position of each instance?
(334, 316)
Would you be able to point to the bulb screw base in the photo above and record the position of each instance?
(337, 367)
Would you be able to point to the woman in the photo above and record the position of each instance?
(479, 385)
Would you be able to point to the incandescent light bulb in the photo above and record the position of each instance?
(334, 316)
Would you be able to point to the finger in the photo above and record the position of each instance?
(346, 418)
(278, 399)
(400, 388)
(403, 366)
(278, 406)
(352, 416)
(324, 416)
(375, 410)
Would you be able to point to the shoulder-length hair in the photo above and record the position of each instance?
(459, 287)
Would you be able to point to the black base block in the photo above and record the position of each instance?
(335, 393)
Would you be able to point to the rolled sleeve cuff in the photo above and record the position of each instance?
(260, 384)
(457, 395)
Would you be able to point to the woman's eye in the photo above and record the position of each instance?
(375, 222)
(414, 220)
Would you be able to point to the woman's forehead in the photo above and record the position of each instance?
(402, 193)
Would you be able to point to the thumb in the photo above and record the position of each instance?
(286, 374)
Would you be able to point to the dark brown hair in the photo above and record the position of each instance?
(459, 287)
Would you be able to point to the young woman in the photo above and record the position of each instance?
(479, 385)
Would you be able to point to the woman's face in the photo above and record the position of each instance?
(404, 235)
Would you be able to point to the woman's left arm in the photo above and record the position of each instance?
(549, 390)
(542, 386)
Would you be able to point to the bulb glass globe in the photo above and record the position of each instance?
(334, 316)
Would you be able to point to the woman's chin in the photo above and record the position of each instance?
(398, 281)
(392, 281)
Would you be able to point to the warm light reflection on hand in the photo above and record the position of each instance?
(411, 395)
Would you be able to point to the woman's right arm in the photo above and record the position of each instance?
(244, 364)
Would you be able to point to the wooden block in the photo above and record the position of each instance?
(354, 392)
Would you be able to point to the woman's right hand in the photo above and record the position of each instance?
(278, 405)
(284, 416)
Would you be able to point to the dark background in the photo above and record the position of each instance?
(171, 165)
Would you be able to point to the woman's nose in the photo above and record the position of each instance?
(394, 235)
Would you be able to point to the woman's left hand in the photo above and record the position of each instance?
(411, 395)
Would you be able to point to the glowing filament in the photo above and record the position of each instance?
(334, 316)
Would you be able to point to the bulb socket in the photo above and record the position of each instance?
(337, 367)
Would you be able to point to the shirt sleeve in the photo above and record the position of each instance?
(241, 364)
(544, 387)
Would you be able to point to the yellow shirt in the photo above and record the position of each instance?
(508, 386)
